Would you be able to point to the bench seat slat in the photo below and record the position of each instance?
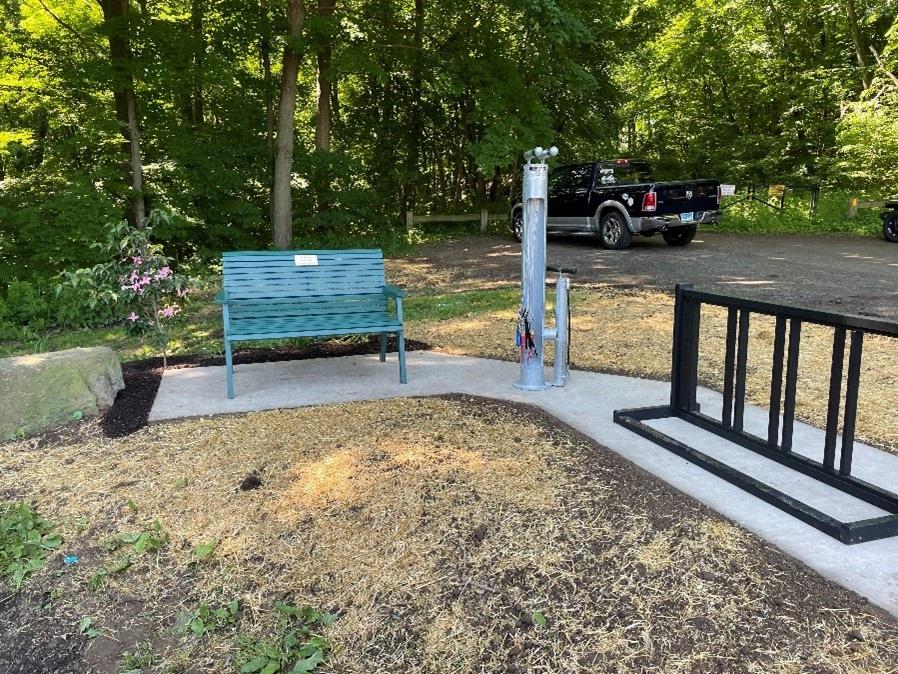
(244, 330)
(374, 253)
(320, 320)
(317, 309)
(306, 283)
(287, 275)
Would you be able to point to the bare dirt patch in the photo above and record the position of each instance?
(443, 532)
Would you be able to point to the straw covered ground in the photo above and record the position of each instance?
(629, 332)
(446, 534)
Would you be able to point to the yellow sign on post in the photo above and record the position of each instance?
(776, 191)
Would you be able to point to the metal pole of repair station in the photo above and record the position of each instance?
(532, 333)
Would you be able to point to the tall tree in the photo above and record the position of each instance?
(116, 16)
(324, 59)
(197, 13)
(281, 196)
(860, 45)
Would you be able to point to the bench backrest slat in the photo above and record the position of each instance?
(323, 276)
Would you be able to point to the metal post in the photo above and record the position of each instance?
(562, 288)
(531, 322)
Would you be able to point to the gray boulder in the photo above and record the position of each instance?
(48, 389)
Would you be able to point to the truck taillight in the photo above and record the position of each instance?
(649, 201)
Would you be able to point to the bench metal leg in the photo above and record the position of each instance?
(403, 373)
(229, 368)
(383, 347)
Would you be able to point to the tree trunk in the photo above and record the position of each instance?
(116, 17)
(324, 57)
(857, 38)
(413, 153)
(281, 200)
(265, 49)
(197, 11)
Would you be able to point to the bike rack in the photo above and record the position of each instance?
(777, 446)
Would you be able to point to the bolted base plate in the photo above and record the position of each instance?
(533, 387)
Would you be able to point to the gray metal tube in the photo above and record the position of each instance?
(562, 290)
(533, 270)
(533, 276)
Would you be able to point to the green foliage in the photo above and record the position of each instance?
(135, 660)
(25, 305)
(430, 111)
(149, 539)
(122, 564)
(756, 218)
(204, 550)
(203, 619)
(48, 222)
(295, 648)
(25, 539)
(87, 628)
(136, 277)
(868, 140)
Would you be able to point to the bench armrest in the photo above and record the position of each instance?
(222, 296)
(393, 291)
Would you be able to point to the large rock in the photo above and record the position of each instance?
(48, 389)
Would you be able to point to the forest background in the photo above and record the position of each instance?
(320, 122)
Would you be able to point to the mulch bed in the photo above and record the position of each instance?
(451, 534)
(132, 406)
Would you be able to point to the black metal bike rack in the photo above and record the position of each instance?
(777, 446)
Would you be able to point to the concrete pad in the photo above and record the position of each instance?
(587, 404)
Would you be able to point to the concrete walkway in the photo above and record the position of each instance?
(586, 403)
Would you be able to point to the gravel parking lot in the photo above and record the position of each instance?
(838, 273)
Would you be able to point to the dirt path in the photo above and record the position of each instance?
(839, 273)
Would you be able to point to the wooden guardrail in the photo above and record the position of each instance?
(854, 204)
(484, 217)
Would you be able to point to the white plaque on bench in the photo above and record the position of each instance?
(305, 260)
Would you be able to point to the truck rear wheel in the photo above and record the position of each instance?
(890, 226)
(613, 232)
(517, 225)
(681, 236)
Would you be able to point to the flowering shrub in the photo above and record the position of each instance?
(138, 279)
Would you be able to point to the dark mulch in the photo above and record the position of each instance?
(132, 406)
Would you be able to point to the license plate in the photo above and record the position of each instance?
(687, 217)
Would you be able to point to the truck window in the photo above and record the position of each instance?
(578, 178)
(557, 179)
(616, 173)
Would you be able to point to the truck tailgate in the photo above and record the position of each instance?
(687, 196)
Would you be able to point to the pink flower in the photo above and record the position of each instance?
(163, 273)
(169, 311)
(137, 260)
(133, 317)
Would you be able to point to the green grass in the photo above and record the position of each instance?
(454, 305)
(198, 330)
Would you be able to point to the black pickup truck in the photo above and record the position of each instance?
(618, 199)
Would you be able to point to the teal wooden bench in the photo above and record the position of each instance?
(308, 293)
